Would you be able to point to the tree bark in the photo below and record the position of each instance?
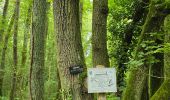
(81, 13)
(69, 46)
(99, 33)
(15, 54)
(135, 84)
(38, 50)
(99, 36)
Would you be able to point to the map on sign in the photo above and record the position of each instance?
(101, 80)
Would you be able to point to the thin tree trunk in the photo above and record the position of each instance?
(2, 29)
(3, 56)
(15, 54)
(21, 77)
(3, 23)
(67, 30)
(26, 33)
(38, 37)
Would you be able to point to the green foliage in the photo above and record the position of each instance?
(4, 98)
(118, 19)
(149, 48)
(86, 31)
(50, 1)
(134, 64)
(163, 49)
(50, 90)
(111, 96)
(66, 94)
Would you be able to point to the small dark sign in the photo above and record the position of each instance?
(76, 69)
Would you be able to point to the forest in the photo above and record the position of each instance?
(48, 46)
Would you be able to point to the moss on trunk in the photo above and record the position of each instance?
(136, 82)
(163, 93)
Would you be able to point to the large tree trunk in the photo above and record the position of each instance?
(38, 50)
(3, 56)
(15, 54)
(163, 93)
(99, 33)
(67, 30)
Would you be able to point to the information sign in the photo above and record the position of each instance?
(101, 80)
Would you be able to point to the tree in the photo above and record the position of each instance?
(3, 22)
(129, 31)
(38, 50)
(99, 33)
(69, 46)
(15, 56)
(137, 83)
(3, 56)
(163, 93)
(21, 76)
(2, 29)
(26, 33)
(137, 76)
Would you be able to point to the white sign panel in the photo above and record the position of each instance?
(101, 80)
